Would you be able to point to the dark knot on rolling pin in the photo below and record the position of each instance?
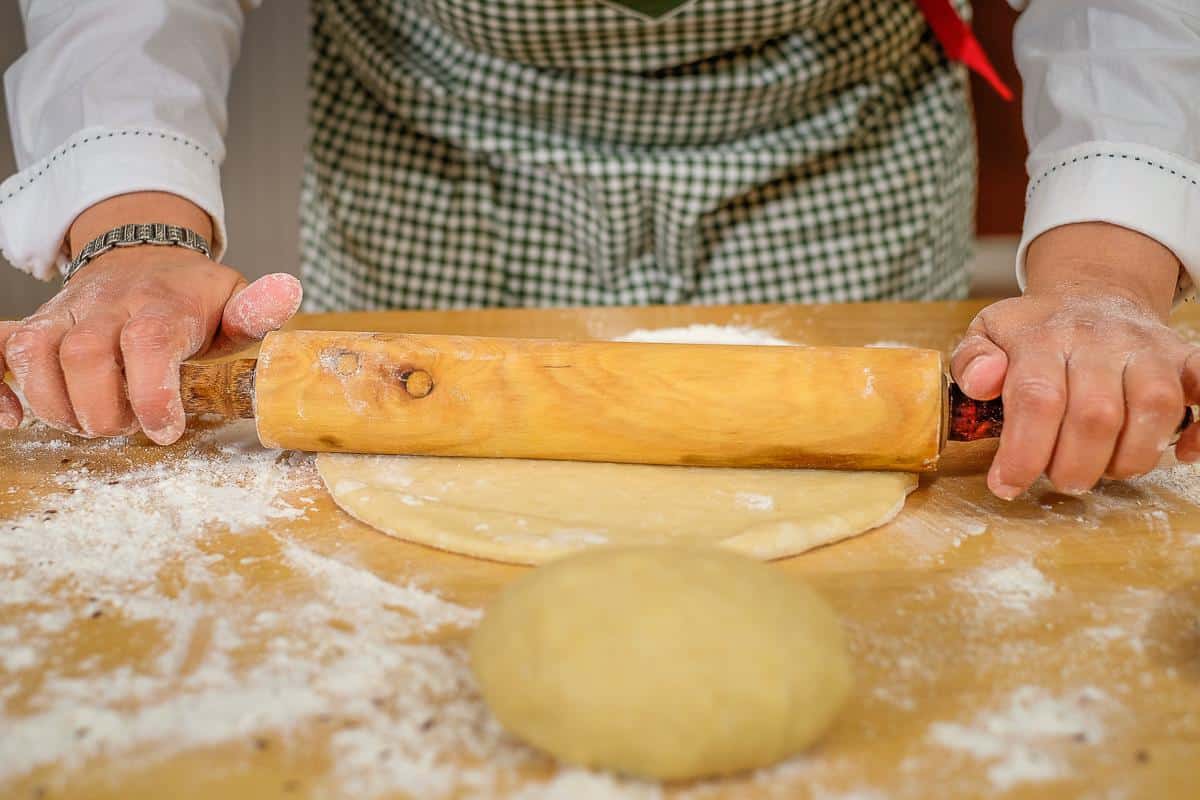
(417, 382)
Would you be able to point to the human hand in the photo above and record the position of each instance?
(102, 357)
(1094, 383)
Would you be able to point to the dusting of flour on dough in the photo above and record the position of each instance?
(753, 501)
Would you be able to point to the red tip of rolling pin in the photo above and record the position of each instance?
(974, 419)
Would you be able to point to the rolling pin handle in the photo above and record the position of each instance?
(1190, 415)
(971, 420)
(225, 388)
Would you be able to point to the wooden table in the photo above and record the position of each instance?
(1045, 647)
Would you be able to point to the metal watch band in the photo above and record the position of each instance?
(157, 233)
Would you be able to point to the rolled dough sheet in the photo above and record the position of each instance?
(529, 512)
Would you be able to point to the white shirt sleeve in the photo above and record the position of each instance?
(114, 96)
(1112, 115)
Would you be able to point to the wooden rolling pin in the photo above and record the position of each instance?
(709, 405)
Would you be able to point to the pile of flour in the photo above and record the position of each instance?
(704, 334)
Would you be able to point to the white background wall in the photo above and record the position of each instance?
(267, 132)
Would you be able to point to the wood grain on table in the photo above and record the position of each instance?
(1048, 647)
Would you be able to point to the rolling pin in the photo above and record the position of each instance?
(680, 404)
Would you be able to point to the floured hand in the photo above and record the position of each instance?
(1093, 380)
(102, 357)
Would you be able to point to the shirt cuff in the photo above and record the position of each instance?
(38, 204)
(1143, 188)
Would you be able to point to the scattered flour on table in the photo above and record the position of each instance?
(1181, 479)
(1016, 739)
(973, 527)
(339, 652)
(1015, 586)
(889, 343)
(52, 445)
(578, 784)
(704, 334)
(148, 554)
(110, 536)
(820, 793)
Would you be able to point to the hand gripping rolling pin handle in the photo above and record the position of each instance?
(971, 420)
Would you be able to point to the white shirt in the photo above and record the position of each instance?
(117, 96)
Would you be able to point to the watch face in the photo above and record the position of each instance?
(650, 9)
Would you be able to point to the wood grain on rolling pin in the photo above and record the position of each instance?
(601, 401)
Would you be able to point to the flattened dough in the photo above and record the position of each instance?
(530, 512)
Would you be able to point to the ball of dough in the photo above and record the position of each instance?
(662, 662)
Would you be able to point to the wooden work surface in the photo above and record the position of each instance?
(1045, 647)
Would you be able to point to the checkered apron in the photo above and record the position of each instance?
(567, 152)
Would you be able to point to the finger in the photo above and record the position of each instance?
(10, 406)
(32, 355)
(1188, 446)
(90, 355)
(153, 343)
(978, 365)
(1035, 398)
(1154, 406)
(255, 310)
(1093, 420)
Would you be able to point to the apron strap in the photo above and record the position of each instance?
(960, 43)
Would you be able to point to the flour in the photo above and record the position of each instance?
(1015, 586)
(752, 501)
(577, 784)
(153, 549)
(1015, 739)
(101, 533)
(338, 651)
(705, 334)
(889, 343)
(49, 445)
(927, 538)
(819, 793)
(1180, 479)
(264, 305)
(868, 382)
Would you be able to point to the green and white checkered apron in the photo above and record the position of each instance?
(567, 152)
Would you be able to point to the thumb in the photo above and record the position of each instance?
(978, 366)
(10, 406)
(255, 310)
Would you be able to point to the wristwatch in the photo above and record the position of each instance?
(157, 233)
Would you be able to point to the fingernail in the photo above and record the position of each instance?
(168, 434)
(969, 369)
(1001, 489)
(8, 420)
